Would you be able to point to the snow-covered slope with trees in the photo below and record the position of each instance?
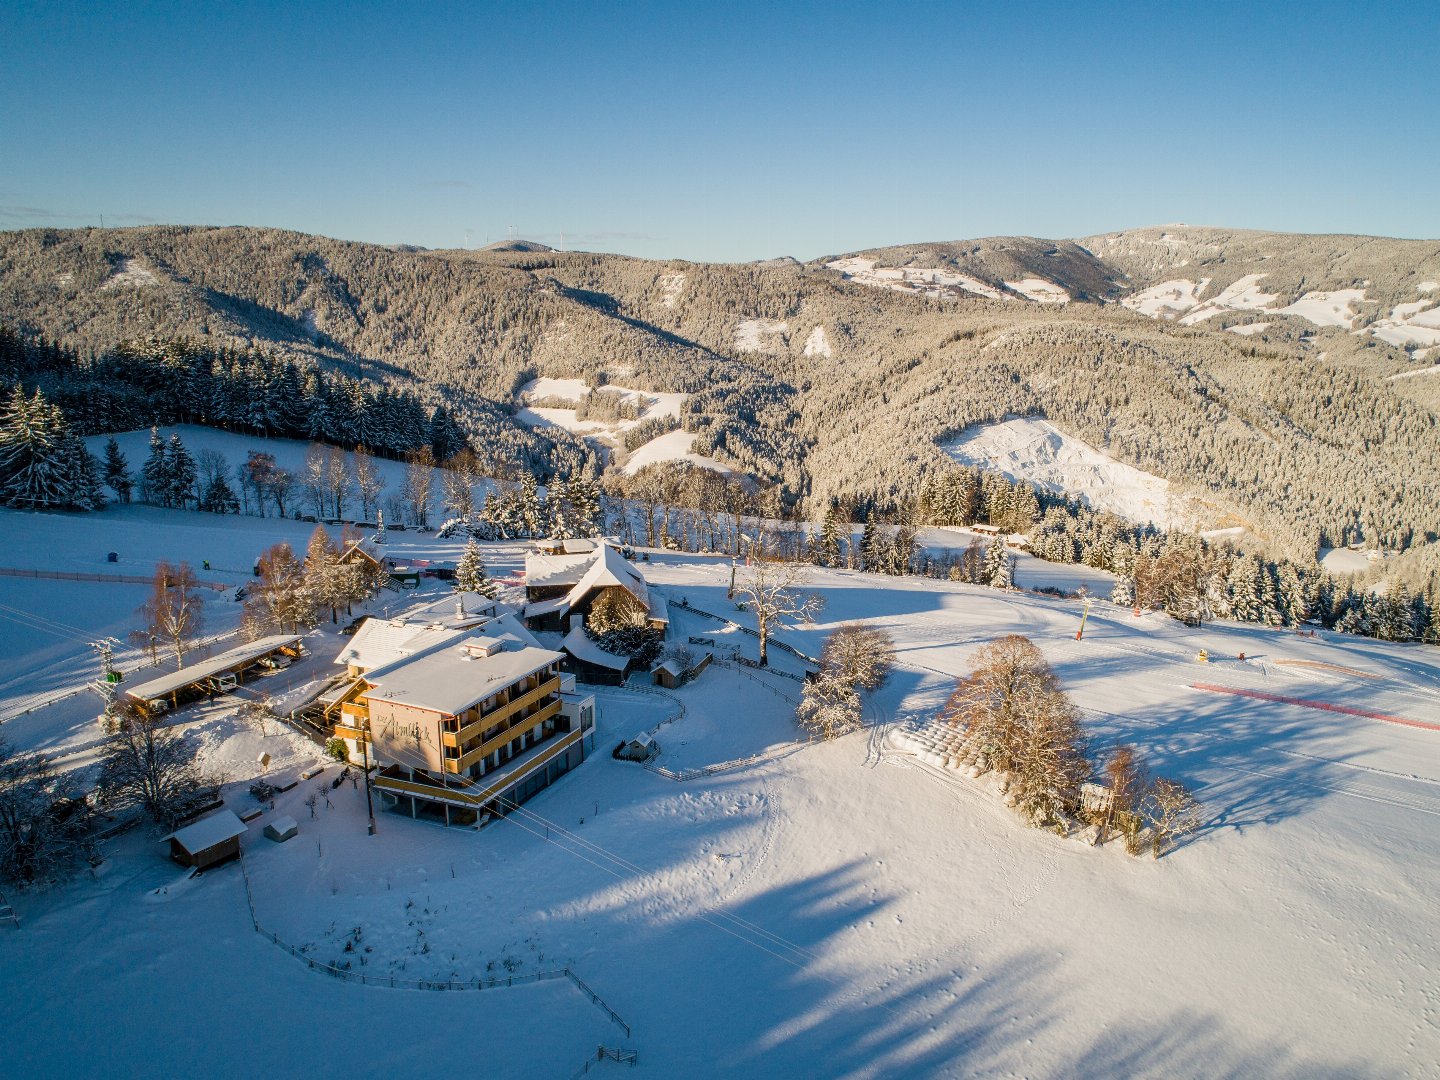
(1035, 450)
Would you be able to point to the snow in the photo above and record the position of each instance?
(1040, 290)
(1415, 323)
(818, 344)
(1242, 295)
(1327, 308)
(925, 280)
(1166, 299)
(564, 389)
(672, 446)
(1428, 286)
(845, 903)
(235, 447)
(207, 832)
(129, 273)
(760, 335)
(1036, 451)
(671, 286)
(1419, 371)
(1346, 560)
(1246, 329)
(651, 405)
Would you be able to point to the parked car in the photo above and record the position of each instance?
(354, 624)
(278, 662)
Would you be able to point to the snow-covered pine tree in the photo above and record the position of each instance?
(117, 471)
(81, 471)
(182, 472)
(470, 575)
(999, 567)
(155, 473)
(39, 465)
(1243, 585)
(832, 535)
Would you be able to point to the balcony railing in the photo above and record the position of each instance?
(515, 731)
(501, 713)
(474, 794)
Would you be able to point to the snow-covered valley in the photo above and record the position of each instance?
(845, 902)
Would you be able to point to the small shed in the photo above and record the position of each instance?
(208, 841)
(668, 673)
(282, 829)
(640, 748)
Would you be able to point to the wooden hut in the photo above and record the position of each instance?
(208, 841)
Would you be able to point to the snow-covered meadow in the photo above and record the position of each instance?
(842, 909)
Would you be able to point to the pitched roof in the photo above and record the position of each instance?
(207, 832)
(578, 644)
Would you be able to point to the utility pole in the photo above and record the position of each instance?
(109, 674)
(1081, 632)
(365, 755)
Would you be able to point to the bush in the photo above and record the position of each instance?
(337, 749)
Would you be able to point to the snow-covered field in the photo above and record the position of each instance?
(840, 909)
(672, 446)
(1034, 450)
(931, 282)
(1040, 290)
(1409, 324)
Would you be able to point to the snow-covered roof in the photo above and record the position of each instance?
(380, 642)
(608, 569)
(579, 645)
(658, 609)
(207, 832)
(556, 569)
(646, 740)
(670, 667)
(230, 659)
(455, 610)
(451, 679)
(545, 607)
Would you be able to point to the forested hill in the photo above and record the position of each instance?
(1252, 370)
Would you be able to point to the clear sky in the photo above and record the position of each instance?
(721, 131)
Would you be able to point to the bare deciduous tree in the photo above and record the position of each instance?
(174, 611)
(41, 830)
(1173, 812)
(774, 591)
(367, 482)
(146, 764)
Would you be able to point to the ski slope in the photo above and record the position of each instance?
(842, 909)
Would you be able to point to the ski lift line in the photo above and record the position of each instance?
(50, 621)
(633, 869)
(41, 620)
(35, 625)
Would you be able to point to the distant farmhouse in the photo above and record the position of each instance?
(463, 711)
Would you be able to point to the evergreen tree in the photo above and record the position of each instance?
(117, 471)
(155, 483)
(999, 567)
(470, 575)
(42, 465)
(832, 534)
(219, 497)
(181, 472)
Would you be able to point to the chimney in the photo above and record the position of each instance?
(460, 607)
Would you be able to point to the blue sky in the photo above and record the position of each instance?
(722, 132)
